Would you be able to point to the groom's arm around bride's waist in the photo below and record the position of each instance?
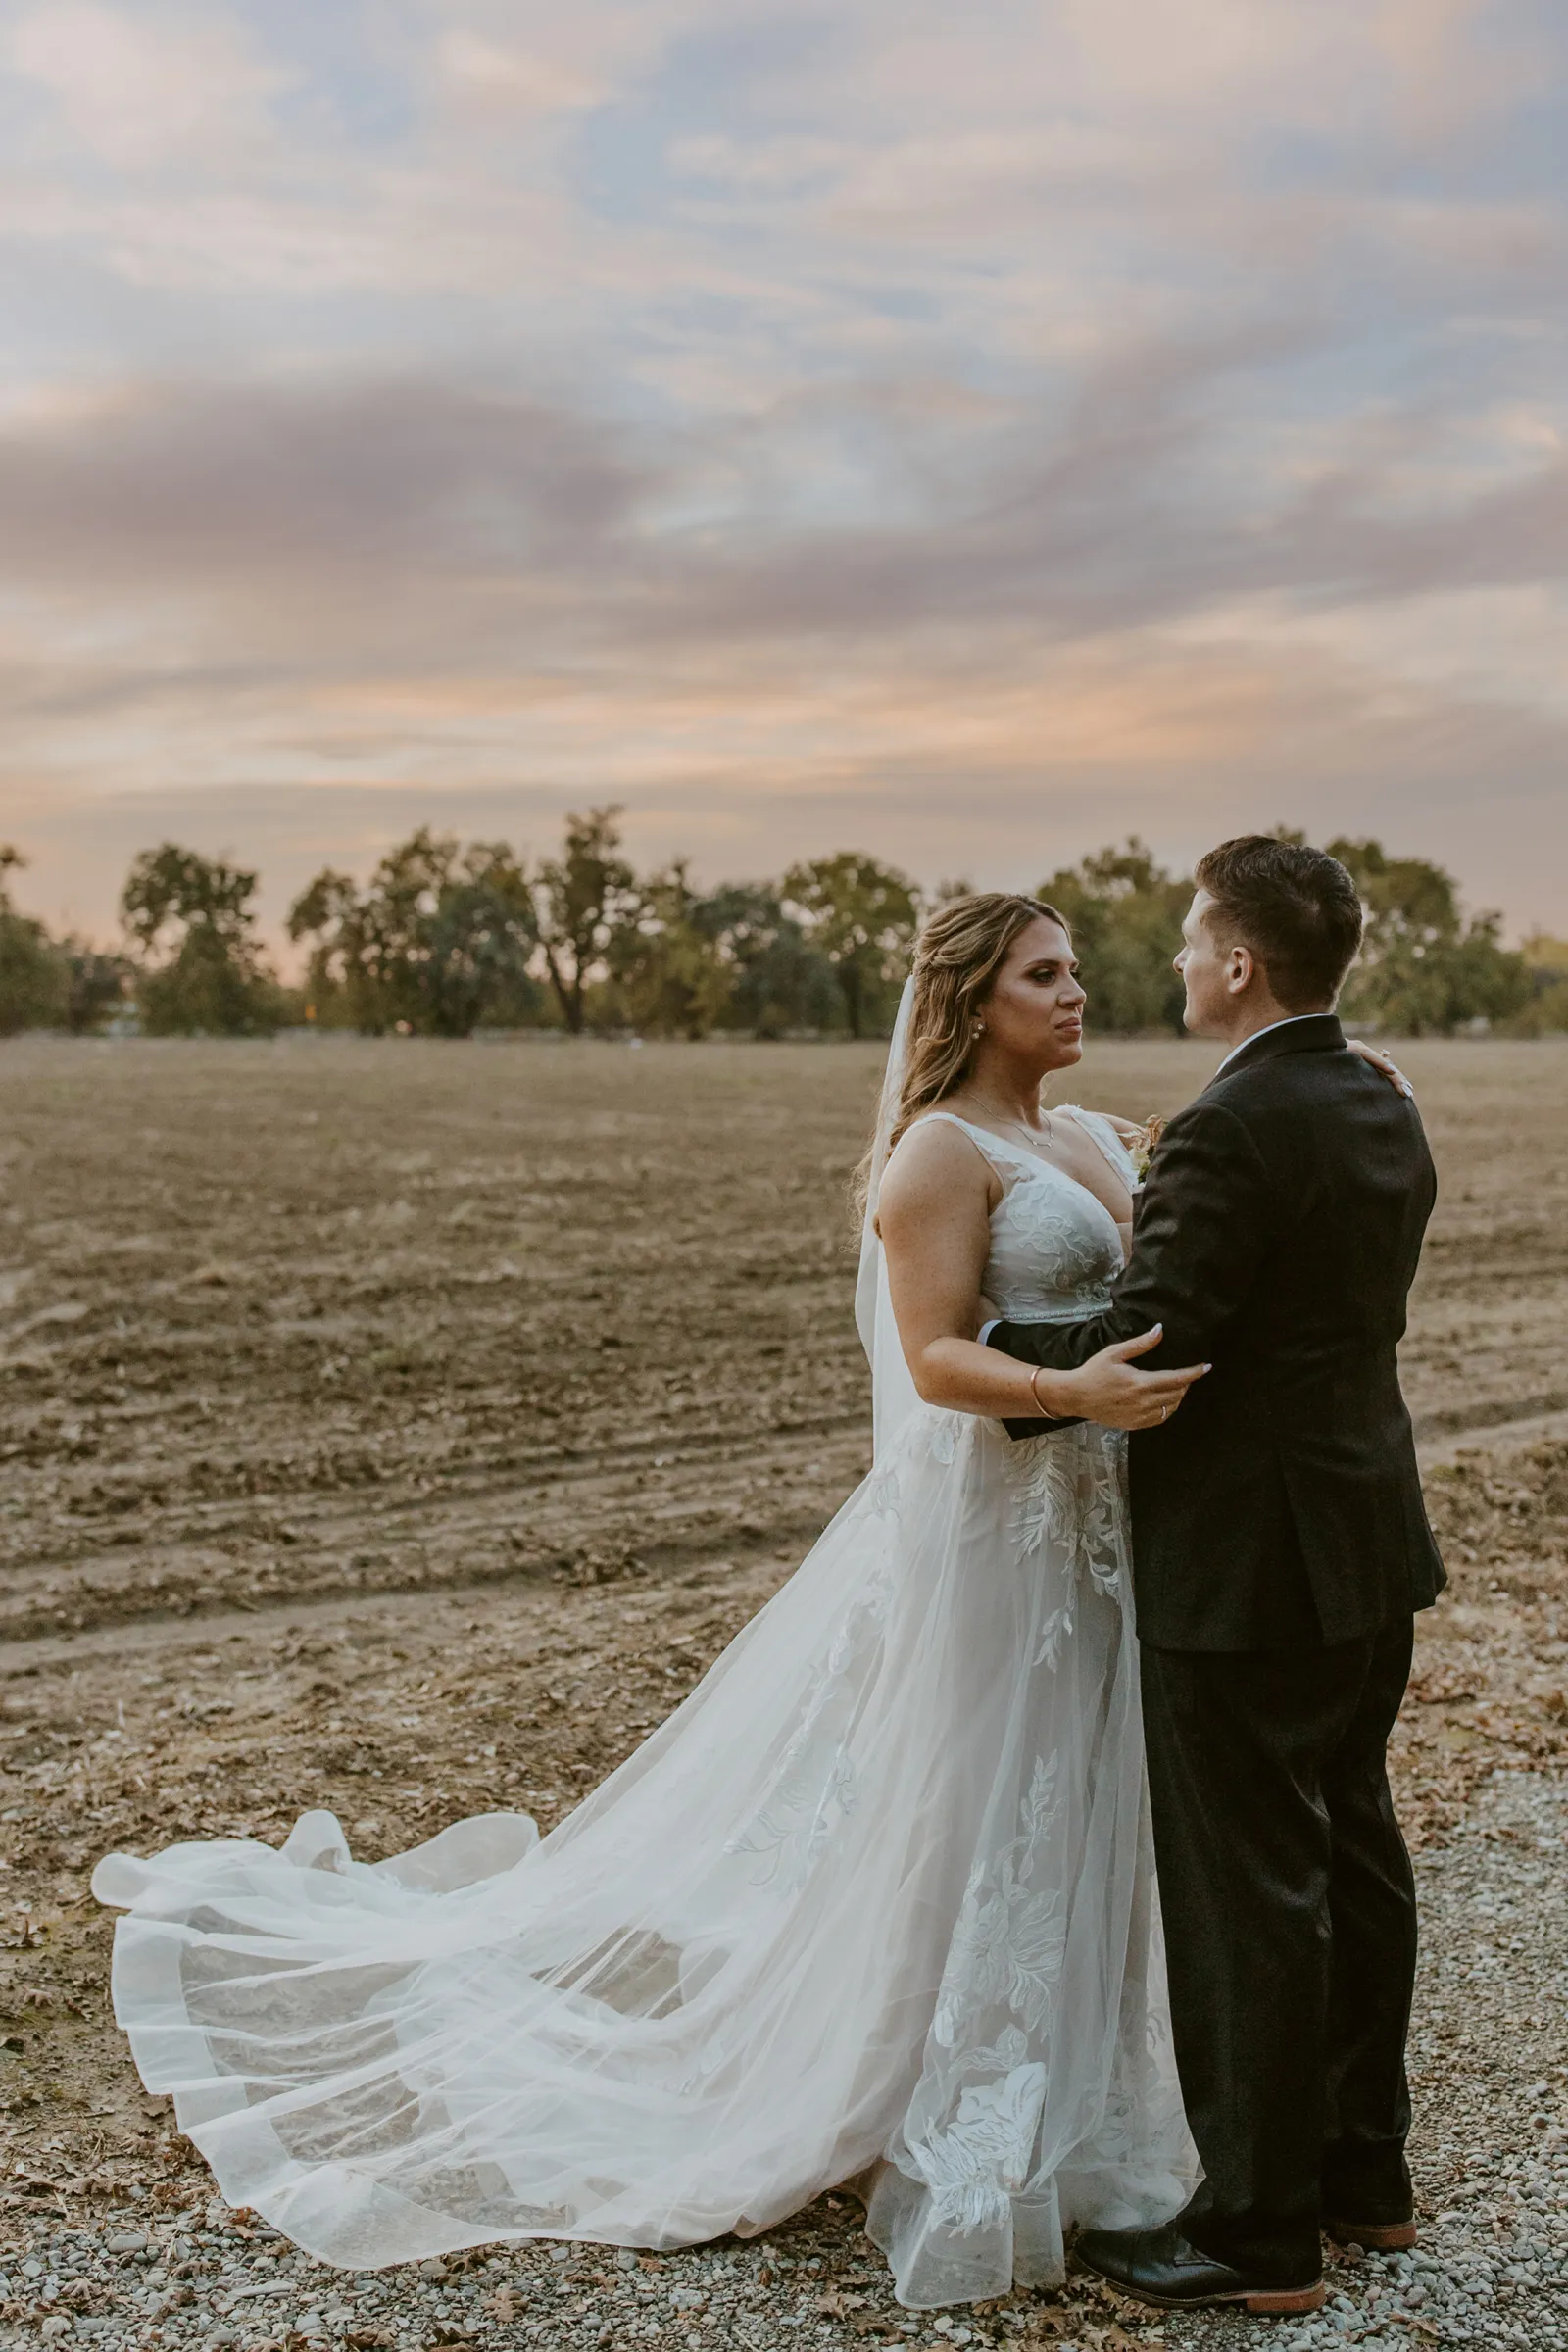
(1201, 1229)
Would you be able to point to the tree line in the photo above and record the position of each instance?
(444, 938)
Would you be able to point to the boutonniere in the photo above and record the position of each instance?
(1145, 1147)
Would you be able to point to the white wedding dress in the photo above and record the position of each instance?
(877, 1900)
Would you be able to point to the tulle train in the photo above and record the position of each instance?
(877, 1900)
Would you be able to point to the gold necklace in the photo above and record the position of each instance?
(1023, 1128)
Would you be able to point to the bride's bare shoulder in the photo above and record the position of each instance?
(934, 1163)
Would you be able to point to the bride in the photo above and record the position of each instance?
(876, 1904)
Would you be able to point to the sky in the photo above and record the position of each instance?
(963, 435)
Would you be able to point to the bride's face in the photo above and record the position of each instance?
(1036, 1006)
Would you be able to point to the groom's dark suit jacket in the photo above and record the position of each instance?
(1277, 1237)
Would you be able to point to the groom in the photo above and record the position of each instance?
(1280, 1547)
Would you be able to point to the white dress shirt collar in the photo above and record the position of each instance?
(1288, 1021)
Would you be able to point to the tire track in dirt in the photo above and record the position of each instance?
(564, 1543)
(586, 1521)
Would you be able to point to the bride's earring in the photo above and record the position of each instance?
(979, 1029)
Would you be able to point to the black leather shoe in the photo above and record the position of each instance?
(1160, 2267)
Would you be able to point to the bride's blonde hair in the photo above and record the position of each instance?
(958, 956)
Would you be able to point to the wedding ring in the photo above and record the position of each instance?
(1163, 1410)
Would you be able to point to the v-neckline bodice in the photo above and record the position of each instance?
(1026, 1159)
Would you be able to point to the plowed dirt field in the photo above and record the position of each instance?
(402, 1428)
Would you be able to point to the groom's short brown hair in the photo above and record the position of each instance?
(1295, 908)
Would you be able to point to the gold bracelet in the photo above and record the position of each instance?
(1034, 1390)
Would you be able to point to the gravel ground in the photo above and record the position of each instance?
(1490, 2061)
(1489, 2075)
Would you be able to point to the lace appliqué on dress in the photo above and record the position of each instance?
(1006, 1946)
(1005, 1957)
(975, 2164)
(1071, 1495)
(1051, 1240)
(814, 1790)
(1052, 1223)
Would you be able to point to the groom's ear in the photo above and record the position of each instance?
(1240, 968)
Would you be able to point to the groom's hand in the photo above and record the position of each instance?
(1107, 1388)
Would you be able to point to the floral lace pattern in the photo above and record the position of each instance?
(1071, 1494)
(973, 2164)
(997, 2125)
(1009, 1937)
(1055, 1248)
(1003, 1962)
(816, 1787)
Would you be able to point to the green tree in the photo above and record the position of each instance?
(440, 939)
(1125, 914)
(1547, 957)
(1423, 968)
(1547, 1012)
(668, 974)
(862, 918)
(34, 981)
(583, 899)
(398, 907)
(342, 987)
(484, 935)
(97, 984)
(777, 981)
(197, 914)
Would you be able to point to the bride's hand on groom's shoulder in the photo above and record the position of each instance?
(1384, 1064)
(1111, 1391)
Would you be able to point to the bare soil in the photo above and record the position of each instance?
(402, 1428)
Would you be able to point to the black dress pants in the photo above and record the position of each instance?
(1290, 1929)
